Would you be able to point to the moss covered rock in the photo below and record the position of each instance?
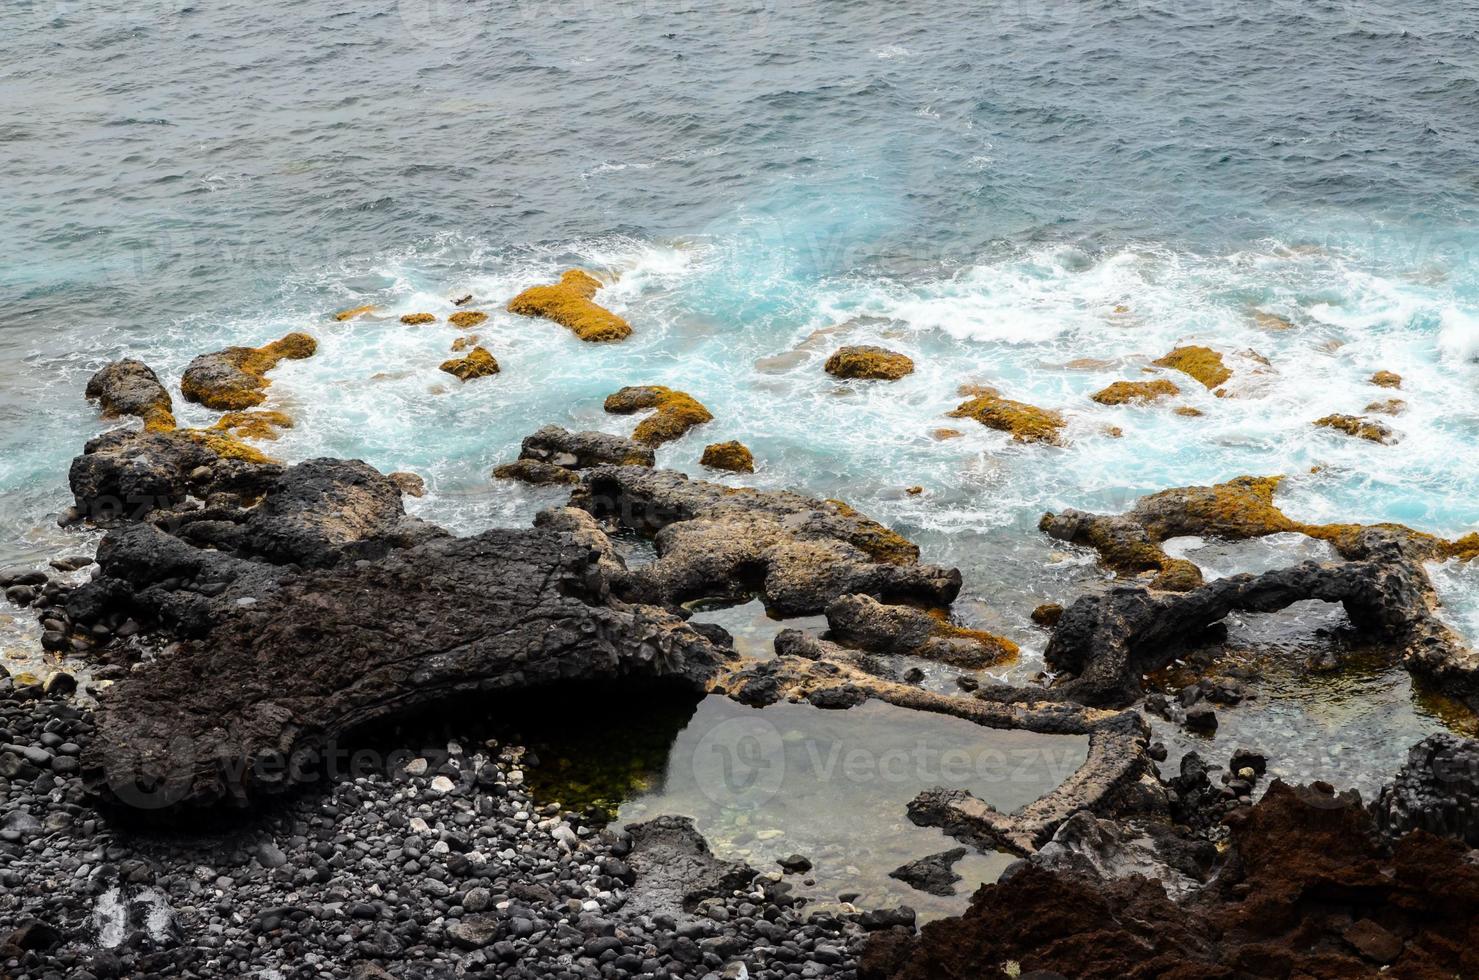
(1389, 406)
(1026, 423)
(235, 378)
(477, 364)
(1201, 363)
(352, 313)
(259, 424)
(675, 412)
(1387, 379)
(570, 303)
(1122, 392)
(417, 319)
(466, 342)
(732, 456)
(868, 362)
(467, 319)
(1360, 427)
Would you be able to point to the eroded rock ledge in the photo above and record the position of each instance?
(718, 542)
(277, 660)
(555, 455)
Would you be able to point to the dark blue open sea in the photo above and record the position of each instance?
(1041, 196)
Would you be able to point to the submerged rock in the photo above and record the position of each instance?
(570, 303)
(864, 622)
(466, 342)
(353, 313)
(716, 541)
(674, 412)
(1123, 392)
(869, 362)
(1389, 406)
(933, 875)
(554, 455)
(236, 377)
(1202, 363)
(1387, 379)
(732, 456)
(1363, 428)
(1026, 423)
(477, 364)
(130, 387)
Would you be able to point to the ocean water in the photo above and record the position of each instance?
(1044, 197)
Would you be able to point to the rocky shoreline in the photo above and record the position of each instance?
(223, 573)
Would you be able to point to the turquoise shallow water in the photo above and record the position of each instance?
(1039, 197)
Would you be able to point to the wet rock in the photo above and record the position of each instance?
(235, 378)
(417, 319)
(715, 541)
(1436, 791)
(1389, 406)
(1025, 423)
(1135, 392)
(673, 412)
(465, 343)
(353, 313)
(1360, 427)
(732, 456)
(477, 364)
(409, 484)
(869, 362)
(1202, 363)
(864, 622)
(933, 875)
(532, 471)
(796, 864)
(1201, 718)
(130, 387)
(570, 303)
(1047, 614)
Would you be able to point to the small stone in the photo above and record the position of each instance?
(795, 864)
(443, 785)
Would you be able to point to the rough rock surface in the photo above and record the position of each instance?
(1026, 423)
(723, 542)
(235, 378)
(675, 869)
(315, 514)
(555, 455)
(570, 303)
(864, 622)
(363, 642)
(418, 319)
(674, 412)
(869, 362)
(130, 387)
(126, 475)
(254, 424)
(1306, 891)
(1437, 791)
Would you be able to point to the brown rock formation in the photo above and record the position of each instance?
(130, 387)
(1363, 428)
(477, 364)
(1026, 423)
(732, 456)
(570, 303)
(875, 363)
(1202, 363)
(1122, 392)
(674, 412)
